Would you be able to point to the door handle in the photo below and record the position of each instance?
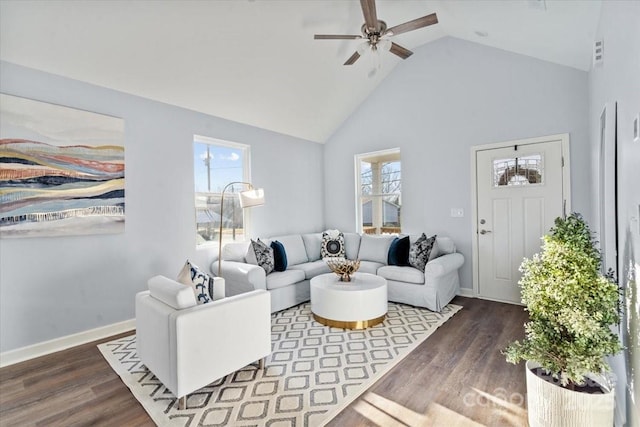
(485, 231)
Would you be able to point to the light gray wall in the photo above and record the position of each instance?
(450, 95)
(618, 80)
(53, 287)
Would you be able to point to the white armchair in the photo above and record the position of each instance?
(188, 346)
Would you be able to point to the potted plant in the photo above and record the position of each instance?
(572, 307)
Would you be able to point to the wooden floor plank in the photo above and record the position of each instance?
(457, 376)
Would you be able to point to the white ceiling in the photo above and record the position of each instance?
(256, 62)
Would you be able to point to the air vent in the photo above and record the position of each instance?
(598, 52)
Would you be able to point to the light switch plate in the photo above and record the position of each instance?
(457, 212)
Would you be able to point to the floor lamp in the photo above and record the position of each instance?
(248, 199)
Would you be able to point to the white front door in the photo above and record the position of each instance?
(519, 192)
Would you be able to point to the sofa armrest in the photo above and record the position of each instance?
(443, 265)
(241, 277)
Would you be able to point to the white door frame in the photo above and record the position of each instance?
(566, 188)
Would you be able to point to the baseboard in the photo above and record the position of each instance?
(466, 292)
(47, 347)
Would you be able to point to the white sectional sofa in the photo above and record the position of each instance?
(432, 289)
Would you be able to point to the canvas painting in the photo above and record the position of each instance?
(61, 170)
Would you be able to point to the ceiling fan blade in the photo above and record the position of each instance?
(369, 12)
(353, 58)
(400, 51)
(336, 37)
(413, 25)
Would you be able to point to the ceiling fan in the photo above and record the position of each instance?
(375, 32)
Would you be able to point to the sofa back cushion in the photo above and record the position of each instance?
(352, 245)
(375, 248)
(294, 247)
(235, 251)
(312, 243)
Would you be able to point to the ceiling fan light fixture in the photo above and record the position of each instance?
(384, 45)
(363, 48)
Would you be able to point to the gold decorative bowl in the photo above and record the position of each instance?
(343, 267)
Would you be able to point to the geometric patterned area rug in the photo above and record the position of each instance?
(314, 371)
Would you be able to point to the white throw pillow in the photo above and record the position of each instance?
(200, 282)
(375, 248)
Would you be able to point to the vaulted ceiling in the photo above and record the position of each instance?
(256, 61)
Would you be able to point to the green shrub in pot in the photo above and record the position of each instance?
(571, 306)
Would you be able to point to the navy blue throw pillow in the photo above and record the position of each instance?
(279, 256)
(399, 251)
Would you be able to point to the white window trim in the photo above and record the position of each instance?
(246, 176)
(358, 181)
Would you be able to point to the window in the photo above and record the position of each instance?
(217, 163)
(518, 171)
(379, 192)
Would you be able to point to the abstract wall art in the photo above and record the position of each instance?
(61, 170)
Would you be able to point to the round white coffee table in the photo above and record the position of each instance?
(358, 304)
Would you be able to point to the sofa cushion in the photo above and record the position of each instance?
(294, 246)
(401, 274)
(312, 269)
(443, 246)
(199, 281)
(260, 253)
(280, 279)
(421, 251)
(312, 243)
(375, 248)
(369, 267)
(235, 251)
(332, 244)
(399, 251)
(352, 245)
(279, 256)
(172, 293)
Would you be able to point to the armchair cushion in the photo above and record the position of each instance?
(172, 293)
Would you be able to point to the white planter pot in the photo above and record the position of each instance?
(550, 405)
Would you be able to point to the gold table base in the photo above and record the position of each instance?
(353, 324)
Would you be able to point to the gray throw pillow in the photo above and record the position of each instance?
(264, 255)
(420, 251)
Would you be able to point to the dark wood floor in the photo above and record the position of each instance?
(457, 377)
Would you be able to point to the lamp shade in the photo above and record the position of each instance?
(251, 198)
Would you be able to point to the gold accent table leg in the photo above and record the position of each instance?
(182, 402)
(261, 363)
